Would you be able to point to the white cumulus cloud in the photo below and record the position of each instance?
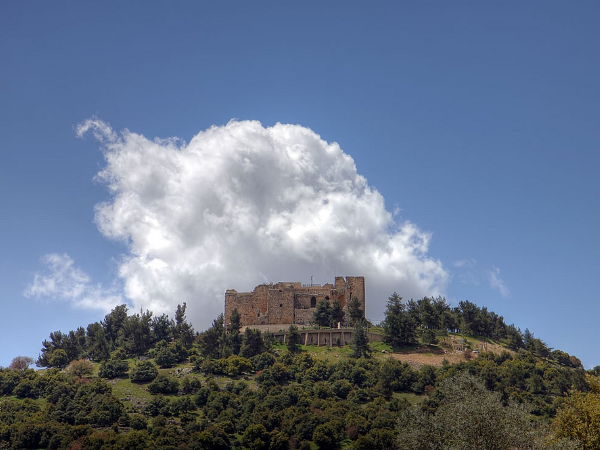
(62, 280)
(243, 204)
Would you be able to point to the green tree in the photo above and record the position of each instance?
(96, 342)
(322, 315)
(211, 338)
(337, 313)
(235, 338)
(252, 343)
(360, 341)
(143, 371)
(183, 329)
(256, 437)
(58, 358)
(167, 354)
(113, 325)
(163, 384)
(293, 339)
(355, 311)
(138, 337)
(162, 328)
(398, 326)
(113, 368)
(470, 417)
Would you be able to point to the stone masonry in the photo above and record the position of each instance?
(291, 303)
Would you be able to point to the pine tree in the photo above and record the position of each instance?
(360, 341)
(293, 339)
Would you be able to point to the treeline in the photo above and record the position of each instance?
(120, 335)
(405, 322)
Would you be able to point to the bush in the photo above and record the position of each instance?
(190, 385)
(138, 422)
(162, 384)
(256, 437)
(143, 371)
(81, 368)
(113, 368)
(167, 354)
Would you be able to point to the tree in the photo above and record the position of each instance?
(113, 368)
(322, 315)
(163, 384)
(399, 327)
(211, 338)
(470, 315)
(252, 343)
(20, 363)
(235, 338)
(293, 339)
(256, 437)
(96, 342)
(56, 342)
(113, 325)
(360, 341)
(58, 358)
(579, 417)
(355, 311)
(470, 417)
(143, 371)
(183, 330)
(337, 313)
(81, 368)
(162, 328)
(137, 332)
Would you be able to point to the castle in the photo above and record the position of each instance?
(291, 303)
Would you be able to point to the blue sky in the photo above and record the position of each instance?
(472, 128)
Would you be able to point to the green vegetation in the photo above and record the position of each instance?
(143, 382)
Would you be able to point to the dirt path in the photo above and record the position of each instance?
(435, 356)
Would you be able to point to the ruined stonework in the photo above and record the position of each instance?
(287, 303)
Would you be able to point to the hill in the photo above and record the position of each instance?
(154, 383)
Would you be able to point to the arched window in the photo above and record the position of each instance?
(313, 302)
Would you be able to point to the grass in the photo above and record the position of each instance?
(379, 347)
(124, 388)
(329, 354)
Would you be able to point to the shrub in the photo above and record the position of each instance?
(163, 385)
(143, 371)
(113, 368)
(138, 422)
(81, 368)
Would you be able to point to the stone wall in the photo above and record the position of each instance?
(286, 303)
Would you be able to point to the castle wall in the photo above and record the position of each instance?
(287, 303)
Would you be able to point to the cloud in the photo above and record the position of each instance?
(468, 263)
(243, 204)
(466, 271)
(62, 280)
(498, 283)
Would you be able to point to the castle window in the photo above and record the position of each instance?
(313, 302)
(281, 305)
(327, 298)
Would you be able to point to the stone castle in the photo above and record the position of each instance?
(291, 303)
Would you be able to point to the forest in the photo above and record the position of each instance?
(139, 381)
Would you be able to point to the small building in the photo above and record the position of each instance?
(291, 303)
